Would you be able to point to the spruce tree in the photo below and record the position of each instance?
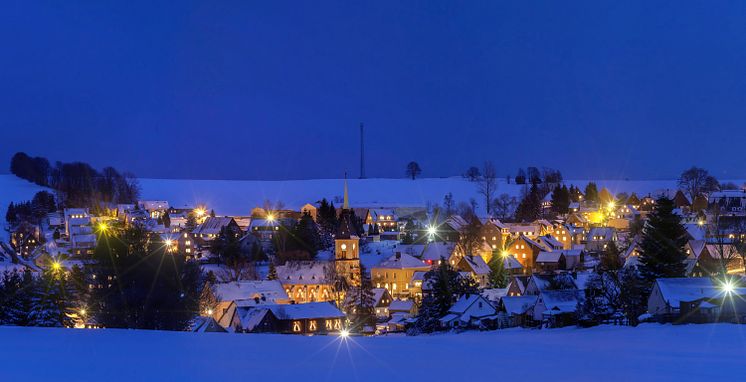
(634, 292)
(591, 192)
(530, 207)
(48, 303)
(446, 286)
(360, 304)
(498, 276)
(610, 259)
(662, 245)
(272, 273)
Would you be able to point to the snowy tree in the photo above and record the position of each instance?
(498, 276)
(360, 304)
(16, 297)
(634, 292)
(662, 245)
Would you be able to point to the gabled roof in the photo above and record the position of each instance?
(456, 222)
(476, 265)
(435, 250)
(548, 257)
(517, 305)
(606, 232)
(213, 225)
(402, 261)
(304, 272)
(345, 230)
(401, 305)
(305, 311)
(265, 291)
(466, 301)
(564, 301)
(676, 290)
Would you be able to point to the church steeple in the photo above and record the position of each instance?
(346, 202)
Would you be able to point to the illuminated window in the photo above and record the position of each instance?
(523, 255)
(329, 324)
(312, 326)
(343, 246)
(296, 326)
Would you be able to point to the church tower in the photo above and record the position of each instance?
(347, 245)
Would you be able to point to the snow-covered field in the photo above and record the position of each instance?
(649, 352)
(238, 197)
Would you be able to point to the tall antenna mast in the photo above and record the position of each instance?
(362, 152)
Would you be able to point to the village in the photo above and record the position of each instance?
(558, 257)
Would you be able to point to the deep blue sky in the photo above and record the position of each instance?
(274, 89)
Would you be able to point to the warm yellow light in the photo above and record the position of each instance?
(505, 254)
(344, 333)
(270, 217)
(169, 242)
(209, 312)
(200, 212)
(103, 227)
(727, 287)
(612, 205)
(431, 230)
(56, 266)
(82, 312)
(701, 223)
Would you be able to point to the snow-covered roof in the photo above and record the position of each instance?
(477, 265)
(213, 225)
(402, 261)
(601, 233)
(265, 291)
(518, 304)
(304, 272)
(494, 294)
(676, 290)
(305, 311)
(564, 301)
(436, 250)
(548, 257)
(401, 305)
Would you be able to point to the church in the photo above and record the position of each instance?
(347, 245)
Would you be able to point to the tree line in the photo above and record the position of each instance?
(77, 184)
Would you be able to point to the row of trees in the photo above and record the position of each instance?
(31, 211)
(50, 299)
(77, 184)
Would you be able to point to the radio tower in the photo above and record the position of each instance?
(362, 152)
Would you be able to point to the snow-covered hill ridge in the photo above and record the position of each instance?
(238, 197)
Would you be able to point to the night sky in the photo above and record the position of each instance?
(276, 90)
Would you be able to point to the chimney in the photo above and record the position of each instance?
(398, 255)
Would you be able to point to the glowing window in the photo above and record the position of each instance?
(296, 326)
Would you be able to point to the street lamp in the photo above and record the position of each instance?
(431, 230)
(344, 333)
(270, 217)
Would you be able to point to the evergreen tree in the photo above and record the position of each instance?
(10, 214)
(191, 221)
(227, 245)
(560, 200)
(498, 276)
(360, 304)
(634, 292)
(530, 207)
(591, 192)
(49, 305)
(212, 213)
(272, 274)
(304, 236)
(602, 297)
(140, 285)
(520, 177)
(16, 297)
(446, 285)
(166, 218)
(610, 259)
(662, 245)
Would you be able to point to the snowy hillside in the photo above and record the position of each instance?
(13, 189)
(649, 352)
(238, 197)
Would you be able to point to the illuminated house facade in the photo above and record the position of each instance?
(347, 246)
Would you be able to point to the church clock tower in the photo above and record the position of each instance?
(347, 245)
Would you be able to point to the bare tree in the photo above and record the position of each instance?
(472, 174)
(413, 170)
(488, 185)
(504, 205)
(697, 181)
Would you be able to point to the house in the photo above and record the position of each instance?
(559, 260)
(154, 208)
(211, 227)
(517, 285)
(206, 325)
(518, 309)
(386, 220)
(310, 318)
(494, 233)
(25, 238)
(307, 281)
(309, 209)
(402, 311)
(479, 270)
(381, 302)
(527, 230)
(79, 231)
(525, 250)
(470, 311)
(695, 299)
(557, 308)
(599, 238)
(229, 296)
(394, 274)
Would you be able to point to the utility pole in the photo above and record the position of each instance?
(362, 152)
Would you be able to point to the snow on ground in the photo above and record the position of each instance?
(649, 352)
(14, 189)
